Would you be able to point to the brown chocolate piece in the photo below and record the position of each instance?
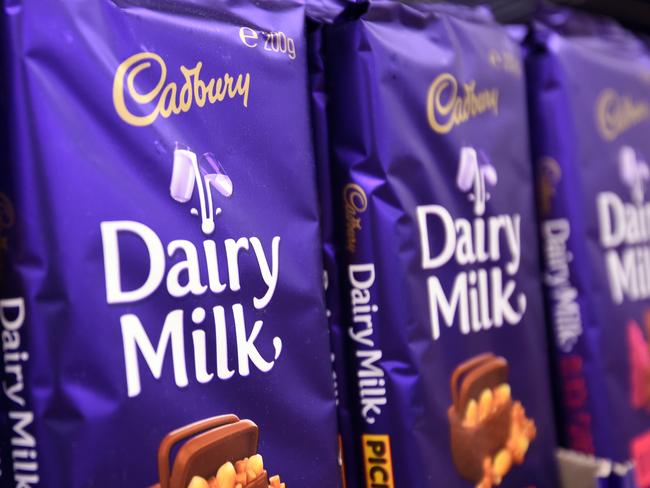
(207, 445)
(475, 375)
(470, 445)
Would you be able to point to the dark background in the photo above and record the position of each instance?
(633, 13)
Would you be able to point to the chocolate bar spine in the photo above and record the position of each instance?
(563, 247)
(367, 249)
(331, 278)
(19, 456)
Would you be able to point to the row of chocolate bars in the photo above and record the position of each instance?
(174, 172)
(456, 235)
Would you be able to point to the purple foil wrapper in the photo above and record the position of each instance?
(154, 284)
(589, 85)
(350, 449)
(431, 150)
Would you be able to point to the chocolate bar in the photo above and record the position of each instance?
(195, 259)
(208, 445)
(471, 444)
(489, 431)
(596, 241)
(437, 244)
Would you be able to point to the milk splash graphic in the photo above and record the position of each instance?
(183, 268)
(487, 250)
(188, 174)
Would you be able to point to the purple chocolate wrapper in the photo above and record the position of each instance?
(350, 452)
(163, 261)
(440, 255)
(589, 85)
(325, 11)
(7, 223)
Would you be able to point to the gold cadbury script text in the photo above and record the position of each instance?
(165, 99)
(615, 114)
(354, 202)
(446, 108)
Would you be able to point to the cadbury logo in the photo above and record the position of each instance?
(166, 98)
(355, 202)
(447, 107)
(615, 114)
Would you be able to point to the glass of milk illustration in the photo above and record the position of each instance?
(215, 175)
(189, 173)
(183, 174)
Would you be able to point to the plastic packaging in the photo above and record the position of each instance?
(440, 252)
(164, 262)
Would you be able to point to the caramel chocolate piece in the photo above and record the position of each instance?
(470, 445)
(472, 377)
(461, 371)
(251, 476)
(207, 445)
